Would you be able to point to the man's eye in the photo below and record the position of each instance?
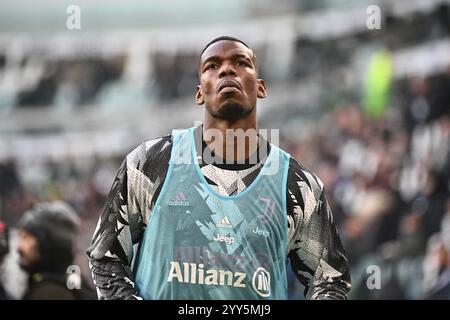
(242, 63)
(211, 66)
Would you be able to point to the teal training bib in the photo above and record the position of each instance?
(200, 244)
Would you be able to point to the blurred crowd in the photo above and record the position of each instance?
(388, 181)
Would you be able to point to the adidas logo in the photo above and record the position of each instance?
(224, 223)
(180, 200)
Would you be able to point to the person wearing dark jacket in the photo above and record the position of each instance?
(4, 249)
(46, 240)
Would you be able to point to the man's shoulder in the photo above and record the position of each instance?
(303, 180)
(150, 151)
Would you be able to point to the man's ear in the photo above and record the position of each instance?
(199, 96)
(262, 92)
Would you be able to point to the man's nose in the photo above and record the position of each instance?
(19, 246)
(226, 69)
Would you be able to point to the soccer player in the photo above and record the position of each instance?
(190, 216)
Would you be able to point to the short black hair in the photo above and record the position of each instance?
(229, 38)
(221, 39)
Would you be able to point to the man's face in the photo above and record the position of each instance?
(28, 249)
(229, 85)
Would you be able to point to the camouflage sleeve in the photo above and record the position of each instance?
(111, 250)
(315, 249)
(122, 222)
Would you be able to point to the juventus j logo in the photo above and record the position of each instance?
(261, 282)
(269, 210)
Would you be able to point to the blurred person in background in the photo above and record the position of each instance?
(4, 249)
(46, 248)
(181, 216)
(437, 262)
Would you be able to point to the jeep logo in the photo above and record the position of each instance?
(221, 238)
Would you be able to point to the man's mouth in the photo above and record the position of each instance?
(229, 85)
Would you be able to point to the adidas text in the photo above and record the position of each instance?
(178, 203)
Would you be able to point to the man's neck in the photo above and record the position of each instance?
(231, 141)
(260, 155)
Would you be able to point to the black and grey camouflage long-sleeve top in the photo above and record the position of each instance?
(314, 247)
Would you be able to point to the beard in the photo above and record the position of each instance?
(29, 262)
(27, 266)
(232, 111)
